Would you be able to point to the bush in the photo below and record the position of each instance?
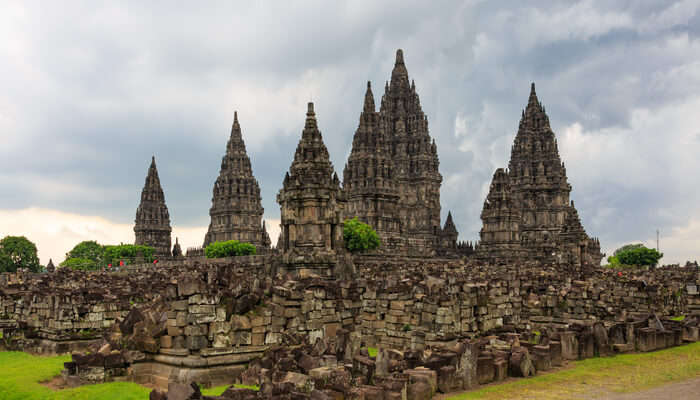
(113, 254)
(229, 248)
(359, 236)
(81, 264)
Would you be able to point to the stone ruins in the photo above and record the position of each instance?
(303, 319)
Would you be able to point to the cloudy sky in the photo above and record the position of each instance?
(88, 94)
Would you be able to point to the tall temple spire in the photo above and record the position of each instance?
(391, 177)
(236, 211)
(152, 224)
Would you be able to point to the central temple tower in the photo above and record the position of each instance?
(391, 177)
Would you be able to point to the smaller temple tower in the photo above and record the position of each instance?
(500, 234)
(152, 226)
(312, 204)
(236, 211)
(448, 236)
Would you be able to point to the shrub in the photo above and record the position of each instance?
(81, 264)
(229, 249)
(113, 254)
(359, 236)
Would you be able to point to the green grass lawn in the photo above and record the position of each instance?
(620, 374)
(20, 374)
(217, 390)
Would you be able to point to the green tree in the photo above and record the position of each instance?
(18, 252)
(628, 247)
(633, 255)
(639, 256)
(86, 255)
(229, 248)
(359, 236)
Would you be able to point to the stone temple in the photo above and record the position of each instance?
(312, 202)
(392, 182)
(236, 212)
(298, 321)
(527, 213)
(391, 178)
(152, 227)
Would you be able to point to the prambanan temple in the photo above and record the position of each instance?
(298, 320)
(392, 182)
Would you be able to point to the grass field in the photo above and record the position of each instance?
(21, 374)
(620, 374)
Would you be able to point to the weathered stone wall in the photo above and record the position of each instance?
(214, 306)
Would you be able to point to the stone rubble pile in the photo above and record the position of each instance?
(341, 368)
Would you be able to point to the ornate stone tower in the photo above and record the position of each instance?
(537, 188)
(236, 212)
(152, 226)
(392, 178)
(538, 179)
(368, 179)
(311, 202)
(500, 234)
(415, 159)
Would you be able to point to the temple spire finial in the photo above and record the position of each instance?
(399, 57)
(369, 98)
(532, 100)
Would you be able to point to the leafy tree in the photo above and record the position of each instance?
(639, 256)
(127, 252)
(359, 236)
(89, 250)
(18, 252)
(229, 249)
(87, 255)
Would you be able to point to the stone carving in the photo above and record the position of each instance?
(527, 211)
(236, 212)
(152, 225)
(391, 177)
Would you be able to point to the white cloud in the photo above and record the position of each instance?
(56, 232)
(644, 172)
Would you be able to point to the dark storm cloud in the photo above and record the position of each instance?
(89, 94)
